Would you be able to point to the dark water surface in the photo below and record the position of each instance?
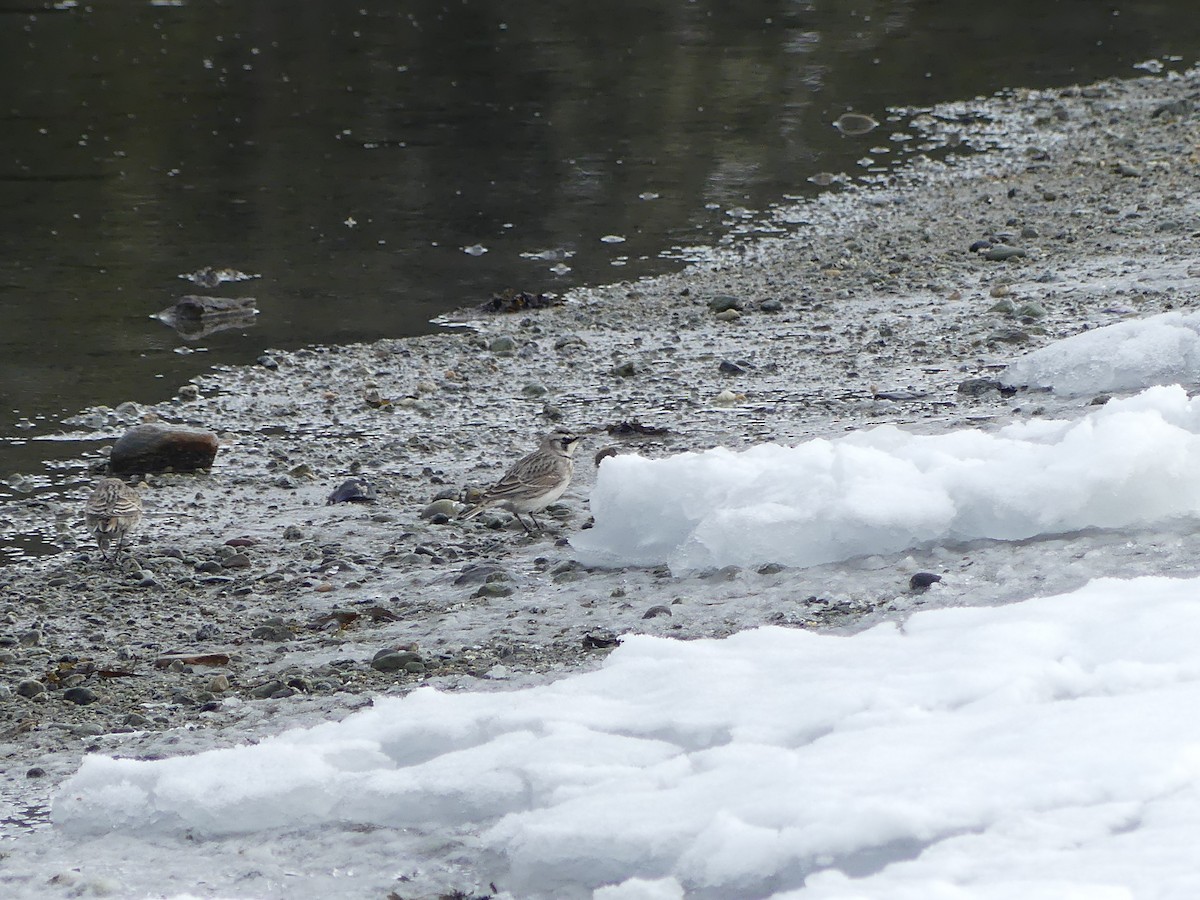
(347, 152)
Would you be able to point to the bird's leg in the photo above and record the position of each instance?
(522, 521)
(536, 523)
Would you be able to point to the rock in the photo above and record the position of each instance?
(626, 369)
(293, 533)
(1008, 336)
(135, 720)
(771, 305)
(533, 390)
(977, 387)
(1031, 310)
(80, 695)
(493, 589)
(207, 632)
(395, 660)
(353, 490)
(770, 569)
(727, 367)
(445, 507)
(1030, 232)
(275, 633)
(854, 124)
(162, 448)
(478, 573)
(270, 689)
(268, 362)
(656, 611)
(723, 302)
(922, 580)
(1005, 307)
(31, 638)
(236, 561)
(30, 688)
(219, 684)
(1002, 253)
(35, 772)
(195, 316)
(730, 315)
(502, 344)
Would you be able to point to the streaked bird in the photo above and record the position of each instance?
(112, 509)
(535, 481)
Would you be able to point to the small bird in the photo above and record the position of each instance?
(111, 511)
(535, 481)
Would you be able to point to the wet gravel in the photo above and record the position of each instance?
(249, 603)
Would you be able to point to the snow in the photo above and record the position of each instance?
(1039, 749)
(1161, 349)
(883, 490)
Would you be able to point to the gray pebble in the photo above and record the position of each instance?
(1002, 253)
(394, 660)
(771, 305)
(727, 367)
(81, 695)
(268, 362)
(724, 302)
(35, 772)
(626, 369)
(293, 533)
(445, 507)
(502, 344)
(493, 589)
(263, 691)
(977, 387)
(276, 633)
(656, 611)
(30, 688)
(237, 561)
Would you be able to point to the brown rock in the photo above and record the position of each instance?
(162, 448)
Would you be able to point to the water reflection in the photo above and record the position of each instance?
(350, 151)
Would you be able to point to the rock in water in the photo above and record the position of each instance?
(162, 448)
(352, 490)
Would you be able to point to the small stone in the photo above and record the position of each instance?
(35, 772)
(152, 447)
(771, 305)
(1009, 336)
(293, 533)
(1005, 307)
(30, 688)
(502, 344)
(493, 589)
(1031, 310)
(656, 611)
(237, 561)
(135, 720)
(1127, 171)
(264, 691)
(977, 387)
(1030, 232)
(268, 362)
(727, 367)
(275, 633)
(533, 390)
(188, 393)
(353, 490)
(626, 369)
(31, 638)
(730, 315)
(207, 632)
(208, 567)
(770, 569)
(80, 695)
(1002, 253)
(444, 507)
(922, 580)
(723, 303)
(395, 660)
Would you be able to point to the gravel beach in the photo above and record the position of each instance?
(248, 604)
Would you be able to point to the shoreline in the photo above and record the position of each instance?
(872, 310)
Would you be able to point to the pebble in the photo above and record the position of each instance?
(730, 315)
(771, 305)
(728, 367)
(502, 344)
(30, 688)
(977, 387)
(31, 638)
(268, 362)
(444, 507)
(493, 589)
(136, 720)
(1002, 253)
(293, 533)
(270, 689)
(626, 369)
(352, 490)
(275, 633)
(35, 772)
(237, 561)
(922, 580)
(656, 611)
(723, 303)
(1009, 336)
(396, 661)
(81, 695)
(219, 684)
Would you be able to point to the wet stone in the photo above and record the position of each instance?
(978, 387)
(444, 507)
(1002, 253)
(728, 367)
(922, 580)
(655, 611)
(723, 303)
(80, 695)
(237, 561)
(395, 660)
(771, 306)
(159, 448)
(30, 688)
(493, 589)
(270, 689)
(293, 533)
(35, 772)
(274, 633)
(136, 720)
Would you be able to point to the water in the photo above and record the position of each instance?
(348, 152)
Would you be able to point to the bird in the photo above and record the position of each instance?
(535, 481)
(112, 510)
